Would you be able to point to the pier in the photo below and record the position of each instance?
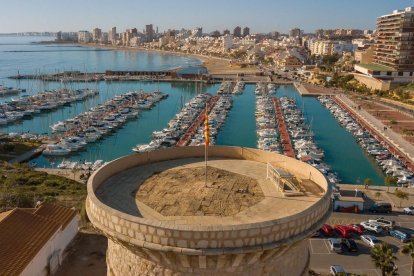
(185, 139)
(390, 146)
(284, 134)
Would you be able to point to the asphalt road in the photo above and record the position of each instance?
(359, 262)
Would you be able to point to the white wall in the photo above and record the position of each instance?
(57, 244)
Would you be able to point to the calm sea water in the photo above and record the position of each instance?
(18, 54)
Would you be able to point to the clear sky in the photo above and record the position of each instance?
(259, 15)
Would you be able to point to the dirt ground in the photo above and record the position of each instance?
(86, 255)
(225, 194)
(398, 121)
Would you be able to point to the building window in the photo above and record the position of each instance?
(400, 74)
(411, 74)
(376, 73)
(389, 73)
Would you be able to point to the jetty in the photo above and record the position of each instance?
(185, 139)
(284, 133)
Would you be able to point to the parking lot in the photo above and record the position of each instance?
(359, 262)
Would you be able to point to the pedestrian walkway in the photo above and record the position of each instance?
(388, 134)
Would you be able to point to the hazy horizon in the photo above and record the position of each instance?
(281, 15)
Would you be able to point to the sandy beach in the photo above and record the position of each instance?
(214, 65)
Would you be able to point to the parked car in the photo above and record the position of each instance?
(337, 270)
(316, 234)
(327, 230)
(335, 245)
(400, 235)
(371, 241)
(371, 226)
(387, 224)
(381, 207)
(350, 245)
(343, 230)
(409, 210)
(357, 228)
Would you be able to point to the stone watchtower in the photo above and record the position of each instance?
(252, 217)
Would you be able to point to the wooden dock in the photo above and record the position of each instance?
(284, 133)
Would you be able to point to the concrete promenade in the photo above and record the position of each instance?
(388, 134)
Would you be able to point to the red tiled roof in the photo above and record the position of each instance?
(23, 234)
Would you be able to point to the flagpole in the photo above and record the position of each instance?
(206, 142)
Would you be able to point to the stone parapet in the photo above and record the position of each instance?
(179, 248)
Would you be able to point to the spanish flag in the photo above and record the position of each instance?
(206, 130)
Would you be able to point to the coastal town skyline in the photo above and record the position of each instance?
(53, 16)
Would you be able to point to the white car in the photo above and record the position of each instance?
(371, 241)
(409, 210)
(371, 226)
(387, 224)
(337, 270)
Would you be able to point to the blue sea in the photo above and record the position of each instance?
(20, 55)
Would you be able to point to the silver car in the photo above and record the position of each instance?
(371, 241)
(335, 245)
(409, 210)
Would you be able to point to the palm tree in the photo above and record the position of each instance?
(377, 195)
(408, 249)
(383, 258)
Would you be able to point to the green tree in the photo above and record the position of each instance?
(367, 182)
(408, 249)
(390, 181)
(383, 258)
(401, 195)
(377, 195)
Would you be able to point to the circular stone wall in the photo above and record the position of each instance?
(242, 244)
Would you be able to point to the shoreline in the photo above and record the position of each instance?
(214, 65)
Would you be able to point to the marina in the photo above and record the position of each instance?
(5, 91)
(181, 127)
(217, 116)
(388, 158)
(300, 135)
(266, 127)
(28, 106)
(239, 128)
(101, 120)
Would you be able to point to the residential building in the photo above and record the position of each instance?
(227, 42)
(96, 34)
(237, 32)
(365, 56)
(393, 52)
(246, 31)
(330, 47)
(33, 241)
(84, 37)
(394, 43)
(197, 32)
(112, 35)
(294, 33)
(290, 63)
(149, 32)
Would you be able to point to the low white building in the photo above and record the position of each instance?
(227, 42)
(33, 241)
